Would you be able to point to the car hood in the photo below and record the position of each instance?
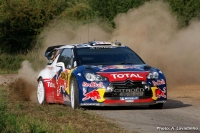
(120, 72)
(117, 68)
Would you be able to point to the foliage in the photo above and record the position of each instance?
(108, 9)
(185, 10)
(78, 10)
(22, 20)
(10, 63)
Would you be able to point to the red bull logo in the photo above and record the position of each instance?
(93, 95)
(92, 84)
(160, 93)
(159, 82)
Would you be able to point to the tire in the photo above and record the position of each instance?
(41, 98)
(156, 106)
(74, 93)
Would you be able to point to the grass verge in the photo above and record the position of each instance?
(26, 117)
(10, 63)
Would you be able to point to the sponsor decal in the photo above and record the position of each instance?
(79, 74)
(160, 93)
(154, 93)
(94, 95)
(122, 76)
(50, 84)
(69, 72)
(158, 82)
(161, 101)
(137, 89)
(59, 90)
(63, 76)
(127, 75)
(93, 84)
(91, 104)
(127, 67)
(57, 75)
(129, 98)
(129, 101)
(120, 67)
(108, 67)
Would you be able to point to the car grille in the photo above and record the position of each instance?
(129, 88)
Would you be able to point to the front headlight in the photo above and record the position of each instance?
(153, 75)
(94, 77)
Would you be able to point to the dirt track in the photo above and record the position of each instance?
(181, 110)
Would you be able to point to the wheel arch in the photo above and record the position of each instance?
(43, 74)
(79, 85)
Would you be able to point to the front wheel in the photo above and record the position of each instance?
(41, 92)
(156, 106)
(74, 93)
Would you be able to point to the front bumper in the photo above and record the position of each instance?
(124, 103)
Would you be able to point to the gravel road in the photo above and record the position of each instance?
(181, 111)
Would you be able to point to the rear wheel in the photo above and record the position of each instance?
(156, 106)
(41, 92)
(74, 93)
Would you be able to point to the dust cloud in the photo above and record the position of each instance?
(150, 30)
(25, 86)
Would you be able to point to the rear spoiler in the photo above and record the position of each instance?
(48, 52)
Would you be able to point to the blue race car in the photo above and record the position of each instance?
(99, 74)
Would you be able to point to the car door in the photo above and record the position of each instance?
(51, 71)
(60, 94)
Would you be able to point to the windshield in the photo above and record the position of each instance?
(107, 56)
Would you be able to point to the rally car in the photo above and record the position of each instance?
(99, 73)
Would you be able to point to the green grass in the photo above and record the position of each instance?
(17, 116)
(10, 63)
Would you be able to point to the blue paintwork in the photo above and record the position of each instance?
(79, 74)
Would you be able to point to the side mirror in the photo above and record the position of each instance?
(61, 64)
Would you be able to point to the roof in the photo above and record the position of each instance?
(93, 44)
(81, 45)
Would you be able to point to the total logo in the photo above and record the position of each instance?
(50, 84)
(127, 75)
(123, 76)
